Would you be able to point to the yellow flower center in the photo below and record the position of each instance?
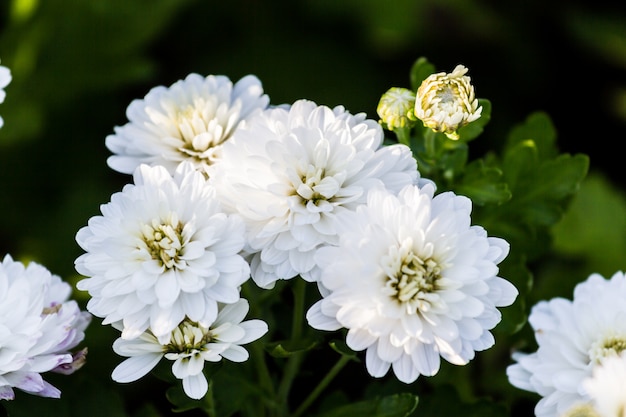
(410, 279)
(581, 410)
(200, 130)
(165, 241)
(315, 187)
(611, 345)
(188, 338)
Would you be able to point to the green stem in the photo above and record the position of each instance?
(343, 360)
(265, 380)
(299, 292)
(258, 354)
(429, 145)
(293, 363)
(209, 402)
(404, 135)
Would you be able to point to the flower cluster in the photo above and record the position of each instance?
(163, 262)
(227, 187)
(39, 327)
(290, 175)
(581, 347)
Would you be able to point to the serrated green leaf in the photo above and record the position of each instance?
(397, 405)
(562, 176)
(537, 127)
(420, 70)
(483, 185)
(551, 180)
(520, 161)
(453, 162)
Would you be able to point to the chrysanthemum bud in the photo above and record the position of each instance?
(446, 102)
(395, 108)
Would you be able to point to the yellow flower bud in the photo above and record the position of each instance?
(395, 108)
(446, 102)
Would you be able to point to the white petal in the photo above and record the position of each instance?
(405, 370)
(195, 386)
(359, 339)
(425, 359)
(236, 353)
(254, 330)
(375, 365)
(135, 367)
(321, 321)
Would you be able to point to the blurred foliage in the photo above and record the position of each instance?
(553, 73)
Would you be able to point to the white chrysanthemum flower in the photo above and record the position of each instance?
(573, 337)
(396, 108)
(5, 79)
(607, 386)
(412, 281)
(189, 345)
(446, 102)
(290, 172)
(163, 249)
(188, 121)
(38, 327)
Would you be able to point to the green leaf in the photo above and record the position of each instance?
(397, 405)
(420, 70)
(286, 348)
(542, 192)
(483, 185)
(537, 127)
(540, 188)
